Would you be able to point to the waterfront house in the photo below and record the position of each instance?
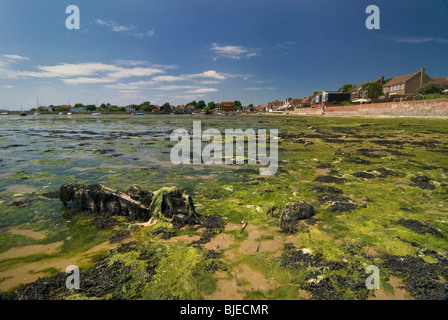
(358, 93)
(406, 85)
(306, 102)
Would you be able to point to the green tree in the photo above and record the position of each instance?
(431, 87)
(78, 105)
(250, 106)
(238, 105)
(206, 110)
(211, 105)
(372, 89)
(201, 104)
(146, 106)
(192, 103)
(347, 87)
(166, 107)
(90, 107)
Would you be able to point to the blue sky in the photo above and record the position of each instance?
(130, 51)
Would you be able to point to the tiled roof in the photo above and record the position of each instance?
(443, 81)
(401, 79)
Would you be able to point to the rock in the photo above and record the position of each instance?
(423, 182)
(140, 195)
(330, 179)
(103, 200)
(18, 204)
(137, 205)
(343, 206)
(173, 205)
(292, 212)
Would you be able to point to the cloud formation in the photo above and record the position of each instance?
(127, 29)
(233, 52)
(417, 39)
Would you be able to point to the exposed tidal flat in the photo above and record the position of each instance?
(379, 187)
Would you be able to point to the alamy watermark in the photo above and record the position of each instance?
(373, 281)
(74, 19)
(233, 144)
(73, 281)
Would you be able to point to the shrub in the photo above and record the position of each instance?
(431, 87)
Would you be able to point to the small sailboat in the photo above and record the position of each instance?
(22, 113)
(61, 113)
(138, 114)
(4, 114)
(69, 114)
(95, 113)
(36, 113)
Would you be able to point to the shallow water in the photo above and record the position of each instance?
(39, 154)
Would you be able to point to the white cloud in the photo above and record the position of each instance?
(69, 70)
(174, 87)
(170, 78)
(131, 63)
(209, 74)
(6, 65)
(203, 90)
(417, 39)
(234, 52)
(113, 25)
(128, 29)
(14, 57)
(88, 72)
(134, 72)
(85, 80)
(210, 82)
(9, 86)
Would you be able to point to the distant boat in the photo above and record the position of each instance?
(69, 114)
(138, 114)
(23, 114)
(61, 113)
(95, 113)
(4, 114)
(36, 113)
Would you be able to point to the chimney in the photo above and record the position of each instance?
(422, 76)
(382, 80)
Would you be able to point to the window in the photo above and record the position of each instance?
(402, 86)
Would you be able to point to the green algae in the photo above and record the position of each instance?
(238, 194)
(180, 275)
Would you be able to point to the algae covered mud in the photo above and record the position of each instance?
(372, 193)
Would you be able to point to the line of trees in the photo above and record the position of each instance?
(147, 106)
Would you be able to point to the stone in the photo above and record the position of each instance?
(170, 204)
(103, 200)
(292, 212)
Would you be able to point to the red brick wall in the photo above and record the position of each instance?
(436, 107)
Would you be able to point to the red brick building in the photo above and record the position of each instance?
(407, 84)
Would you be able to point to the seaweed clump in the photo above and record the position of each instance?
(322, 279)
(423, 280)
